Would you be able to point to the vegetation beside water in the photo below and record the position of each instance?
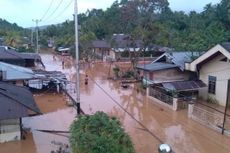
(99, 133)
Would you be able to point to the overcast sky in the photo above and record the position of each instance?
(23, 11)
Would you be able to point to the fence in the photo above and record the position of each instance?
(161, 96)
(211, 118)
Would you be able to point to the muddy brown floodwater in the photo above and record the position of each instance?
(147, 123)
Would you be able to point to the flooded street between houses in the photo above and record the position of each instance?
(147, 123)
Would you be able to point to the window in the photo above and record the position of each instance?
(211, 84)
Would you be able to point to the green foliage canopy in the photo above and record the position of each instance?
(99, 133)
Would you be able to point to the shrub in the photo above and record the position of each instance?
(99, 133)
(128, 74)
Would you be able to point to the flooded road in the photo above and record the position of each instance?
(147, 123)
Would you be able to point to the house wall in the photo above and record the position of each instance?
(167, 75)
(221, 70)
(112, 55)
(102, 52)
(9, 130)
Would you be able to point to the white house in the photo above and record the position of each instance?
(167, 80)
(213, 68)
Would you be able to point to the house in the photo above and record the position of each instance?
(213, 68)
(35, 79)
(101, 49)
(64, 51)
(167, 68)
(11, 56)
(15, 103)
(15, 74)
(167, 79)
(123, 47)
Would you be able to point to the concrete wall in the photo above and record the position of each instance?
(10, 132)
(221, 70)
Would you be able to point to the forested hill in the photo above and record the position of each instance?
(6, 26)
(12, 34)
(153, 22)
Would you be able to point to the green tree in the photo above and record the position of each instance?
(99, 133)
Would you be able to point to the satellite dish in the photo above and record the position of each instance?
(164, 148)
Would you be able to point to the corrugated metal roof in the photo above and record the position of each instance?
(100, 44)
(226, 45)
(156, 66)
(10, 109)
(184, 85)
(14, 72)
(32, 56)
(123, 41)
(16, 101)
(9, 53)
(179, 58)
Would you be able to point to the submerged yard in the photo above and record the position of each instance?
(147, 123)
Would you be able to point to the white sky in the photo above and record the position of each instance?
(23, 11)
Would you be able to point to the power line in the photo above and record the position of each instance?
(117, 103)
(59, 4)
(51, 3)
(62, 12)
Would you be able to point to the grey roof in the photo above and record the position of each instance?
(100, 44)
(179, 58)
(32, 56)
(226, 45)
(14, 72)
(123, 41)
(15, 101)
(10, 53)
(184, 85)
(156, 66)
(50, 74)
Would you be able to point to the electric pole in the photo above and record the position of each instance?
(32, 41)
(36, 21)
(77, 58)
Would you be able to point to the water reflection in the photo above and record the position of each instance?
(173, 128)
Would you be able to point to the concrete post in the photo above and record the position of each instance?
(58, 88)
(175, 104)
(190, 109)
(147, 91)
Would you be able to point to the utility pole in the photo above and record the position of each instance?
(77, 58)
(36, 21)
(32, 35)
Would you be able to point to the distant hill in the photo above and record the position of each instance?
(7, 26)
(44, 26)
